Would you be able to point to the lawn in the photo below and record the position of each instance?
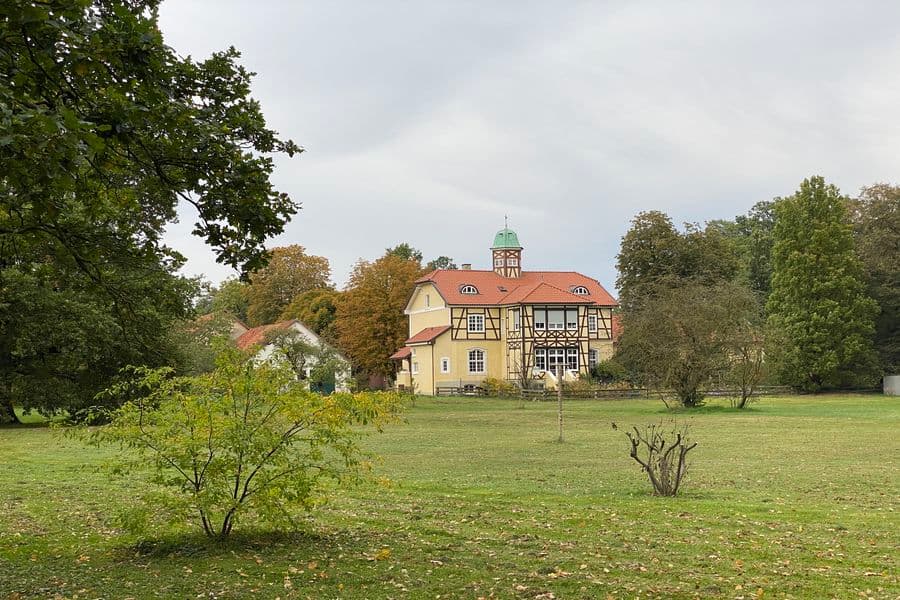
(797, 497)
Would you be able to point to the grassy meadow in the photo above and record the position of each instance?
(795, 498)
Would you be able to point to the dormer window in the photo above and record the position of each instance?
(580, 290)
(468, 289)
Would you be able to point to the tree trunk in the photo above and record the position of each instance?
(7, 413)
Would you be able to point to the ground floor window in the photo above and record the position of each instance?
(551, 359)
(476, 361)
(445, 365)
(415, 368)
(593, 356)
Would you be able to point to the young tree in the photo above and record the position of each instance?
(290, 272)
(243, 443)
(370, 320)
(820, 317)
(680, 338)
(876, 226)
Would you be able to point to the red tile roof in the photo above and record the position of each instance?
(402, 353)
(532, 287)
(257, 335)
(427, 335)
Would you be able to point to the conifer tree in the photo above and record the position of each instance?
(821, 319)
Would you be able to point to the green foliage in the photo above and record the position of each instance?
(317, 309)
(319, 363)
(441, 262)
(494, 386)
(609, 371)
(876, 228)
(654, 255)
(821, 319)
(404, 251)
(100, 116)
(752, 236)
(244, 443)
(682, 337)
(230, 298)
(65, 333)
(103, 131)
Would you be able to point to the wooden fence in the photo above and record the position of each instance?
(602, 393)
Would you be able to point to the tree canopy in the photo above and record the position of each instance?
(821, 319)
(370, 320)
(876, 226)
(655, 255)
(317, 309)
(104, 130)
(290, 272)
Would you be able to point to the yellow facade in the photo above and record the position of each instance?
(445, 360)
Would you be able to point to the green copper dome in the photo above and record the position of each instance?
(506, 238)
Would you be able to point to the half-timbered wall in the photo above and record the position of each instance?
(459, 319)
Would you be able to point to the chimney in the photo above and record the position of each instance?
(466, 267)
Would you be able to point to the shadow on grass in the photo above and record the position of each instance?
(198, 544)
(707, 409)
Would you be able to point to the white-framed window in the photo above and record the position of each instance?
(580, 290)
(427, 300)
(468, 289)
(572, 319)
(415, 368)
(540, 319)
(512, 262)
(592, 323)
(498, 262)
(476, 323)
(445, 365)
(556, 318)
(476, 360)
(593, 357)
(540, 358)
(516, 319)
(572, 358)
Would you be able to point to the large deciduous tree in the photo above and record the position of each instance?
(370, 320)
(654, 255)
(821, 318)
(290, 272)
(104, 130)
(317, 309)
(876, 224)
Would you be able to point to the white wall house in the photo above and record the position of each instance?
(257, 336)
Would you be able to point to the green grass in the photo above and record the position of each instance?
(797, 497)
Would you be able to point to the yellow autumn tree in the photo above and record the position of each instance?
(370, 320)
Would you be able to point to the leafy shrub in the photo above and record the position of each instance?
(609, 371)
(244, 442)
(494, 386)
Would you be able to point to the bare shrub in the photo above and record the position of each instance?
(662, 450)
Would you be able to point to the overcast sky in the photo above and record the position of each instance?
(427, 122)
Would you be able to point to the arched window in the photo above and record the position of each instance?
(468, 289)
(580, 290)
(476, 360)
